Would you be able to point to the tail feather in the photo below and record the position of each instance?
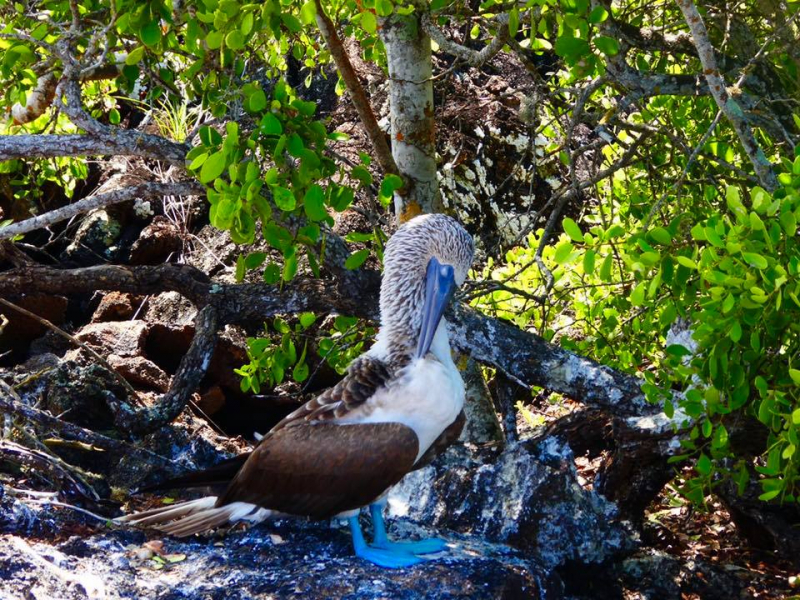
(195, 516)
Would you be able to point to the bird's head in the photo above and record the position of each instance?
(425, 261)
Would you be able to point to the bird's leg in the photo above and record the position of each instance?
(381, 540)
(383, 557)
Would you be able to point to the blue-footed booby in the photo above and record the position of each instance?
(399, 405)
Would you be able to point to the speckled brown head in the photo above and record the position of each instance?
(407, 261)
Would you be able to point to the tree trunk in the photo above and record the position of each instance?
(408, 53)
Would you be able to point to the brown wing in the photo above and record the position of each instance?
(321, 469)
(364, 377)
(440, 444)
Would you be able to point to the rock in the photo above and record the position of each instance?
(140, 372)
(116, 306)
(284, 560)
(21, 330)
(93, 241)
(79, 394)
(170, 308)
(156, 242)
(527, 496)
(123, 338)
(212, 401)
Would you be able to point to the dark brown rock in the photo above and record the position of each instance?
(116, 306)
(156, 242)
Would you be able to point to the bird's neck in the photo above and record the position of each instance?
(398, 343)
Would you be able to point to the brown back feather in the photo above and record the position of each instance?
(320, 469)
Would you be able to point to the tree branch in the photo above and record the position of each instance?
(524, 357)
(472, 57)
(357, 94)
(726, 103)
(145, 190)
(120, 142)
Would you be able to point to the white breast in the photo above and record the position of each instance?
(427, 397)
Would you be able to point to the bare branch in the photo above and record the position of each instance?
(145, 190)
(726, 102)
(524, 357)
(357, 94)
(120, 142)
(472, 57)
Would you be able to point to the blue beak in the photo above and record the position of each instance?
(440, 283)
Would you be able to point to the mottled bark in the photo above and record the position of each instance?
(474, 58)
(525, 357)
(408, 54)
(121, 142)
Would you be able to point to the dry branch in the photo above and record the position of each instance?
(474, 58)
(357, 94)
(64, 213)
(120, 142)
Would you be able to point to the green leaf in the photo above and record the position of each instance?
(292, 23)
(356, 259)
(637, 295)
(588, 261)
(766, 496)
(314, 203)
(607, 45)
(796, 416)
(284, 198)
(134, 56)
(736, 331)
(369, 22)
(114, 116)
(605, 268)
(214, 40)
(686, 262)
(235, 40)
(513, 21)
(572, 48)
(563, 251)
(572, 229)
(258, 102)
(795, 375)
(704, 465)
(755, 260)
(150, 33)
(270, 125)
(290, 267)
(308, 13)
(213, 167)
(659, 234)
(307, 319)
(272, 274)
(598, 15)
(255, 260)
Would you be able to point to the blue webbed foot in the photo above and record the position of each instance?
(381, 540)
(428, 546)
(389, 558)
(383, 557)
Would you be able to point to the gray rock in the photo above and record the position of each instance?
(527, 496)
(288, 559)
